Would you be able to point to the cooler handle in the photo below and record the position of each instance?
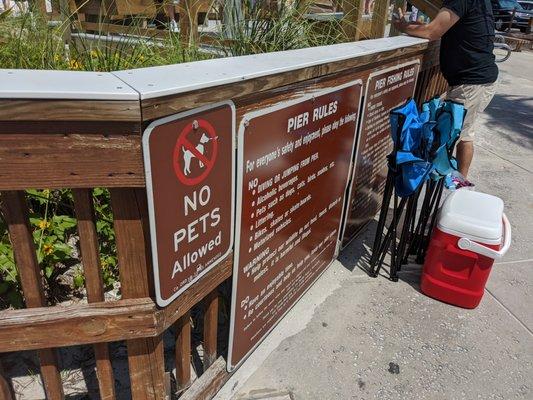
(467, 244)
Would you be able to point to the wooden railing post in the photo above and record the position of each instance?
(183, 351)
(145, 356)
(15, 210)
(6, 390)
(90, 255)
(210, 328)
(353, 18)
(380, 16)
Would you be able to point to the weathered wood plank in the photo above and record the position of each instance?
(210, 328)
(209, 383)
(58, 161)
(130, 241)
(353, 18)
(163, 106)
(208, 283)
(15, 211)
(42, 327)
(183, 351)
(69, 110)
(380, 15)
(145, 356)
(90, 256)
(30, 329)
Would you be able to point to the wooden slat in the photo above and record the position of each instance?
(209, 282)
(188, 12)
(59, 326)
(69, 110)
(30, 329)
(183, 351)
(58, 161)
(92, 268)
(209, 383)
(163, 106)
(353, 18)
(102, 27)
(210, 328)
(6, 390)
(380, 16)
(15, 211)
(145, 356)
(90, 254)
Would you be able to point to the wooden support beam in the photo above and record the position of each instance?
(92, 268)
(210, 328)
(380, 16)
(15, 211)
(183, 351)
(145, 356)
(43, 327)
(209, 383)
(353, 18)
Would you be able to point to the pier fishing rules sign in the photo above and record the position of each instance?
(189, 161)
(293, 166)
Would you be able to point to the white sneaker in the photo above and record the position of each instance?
(173, 26)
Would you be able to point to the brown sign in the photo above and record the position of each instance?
(293, 169)
(385, 90)
(189, 161)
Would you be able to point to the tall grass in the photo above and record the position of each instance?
(30, 41)
(265, 29)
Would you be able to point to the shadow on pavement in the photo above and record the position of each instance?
(515, 126)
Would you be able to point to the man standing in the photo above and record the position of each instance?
(466, 30)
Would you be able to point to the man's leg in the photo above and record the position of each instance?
(464, 155)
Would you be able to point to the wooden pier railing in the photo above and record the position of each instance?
(82, 131)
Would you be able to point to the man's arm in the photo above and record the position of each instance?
(444, 20)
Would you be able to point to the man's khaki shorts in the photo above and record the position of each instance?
(475, 99)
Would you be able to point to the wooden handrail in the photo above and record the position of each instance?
(60, 326)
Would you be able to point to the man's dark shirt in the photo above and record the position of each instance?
(466, 50)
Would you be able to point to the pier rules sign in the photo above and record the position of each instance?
(293, 166)
(189, 161)
(386, 89)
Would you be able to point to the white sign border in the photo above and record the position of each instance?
(150, 196)
(240, 177)
(362, 121)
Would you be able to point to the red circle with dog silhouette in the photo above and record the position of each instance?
(195, 152)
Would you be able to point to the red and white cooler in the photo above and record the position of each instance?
(472, 231)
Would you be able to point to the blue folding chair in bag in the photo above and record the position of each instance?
(409, 167)
(423, 149)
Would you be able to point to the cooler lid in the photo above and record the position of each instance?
(474, 215)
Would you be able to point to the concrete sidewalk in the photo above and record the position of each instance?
(354, 337)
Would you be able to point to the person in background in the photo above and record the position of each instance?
(171, 13)
(466, 30)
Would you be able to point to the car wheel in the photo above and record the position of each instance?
(523, 30)
(500, 25)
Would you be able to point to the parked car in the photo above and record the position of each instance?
(503, 11)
